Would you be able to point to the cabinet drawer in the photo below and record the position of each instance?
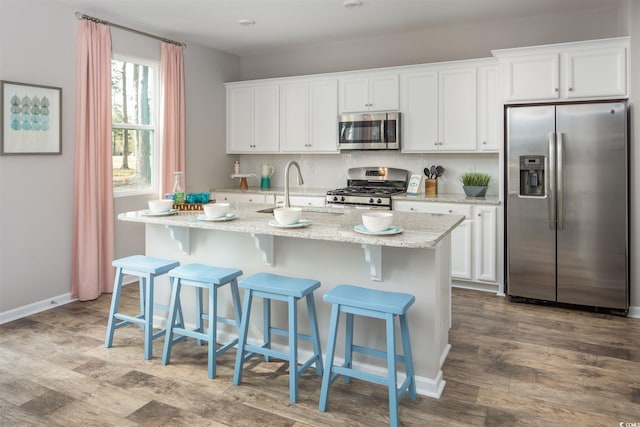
(302, 201)
(243, 198)
(431, 207)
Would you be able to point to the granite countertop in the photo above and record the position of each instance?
(420, 230)
(450, 198)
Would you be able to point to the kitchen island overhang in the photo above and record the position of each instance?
(416, 261)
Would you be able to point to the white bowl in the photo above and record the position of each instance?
(160, 205)
(287, 216)
(377, 221)
(216, 210)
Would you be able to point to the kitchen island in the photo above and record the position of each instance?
(415, 261)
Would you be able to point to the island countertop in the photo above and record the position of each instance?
(419, 230)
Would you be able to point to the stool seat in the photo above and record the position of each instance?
(370, 299)
(281, 288)
(146, 268)
(281, 285)
(146, 264)
(206, 273)
(355, 300)
(201, 277)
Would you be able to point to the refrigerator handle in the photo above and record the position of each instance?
(551, 179)
(559, 150)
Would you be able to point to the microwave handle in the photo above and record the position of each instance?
(383, 130)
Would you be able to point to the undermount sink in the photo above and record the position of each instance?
(309, 210)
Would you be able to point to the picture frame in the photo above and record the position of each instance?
(414, 183)
(30, 119)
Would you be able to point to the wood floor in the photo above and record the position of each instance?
(511, 364)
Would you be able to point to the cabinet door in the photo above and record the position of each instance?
(532, 77)
(313, 201)
(294, 117)
(323, 116)
(240, 120)
(596, 73)
(489, 109)
(384, 93)
(266, 118)
(420, 112)
(457, 107)
(354, 94)
(461, 250)
(486, 243)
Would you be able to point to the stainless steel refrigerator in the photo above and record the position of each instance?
(566, 204)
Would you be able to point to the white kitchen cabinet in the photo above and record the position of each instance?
(369, 93)
(232, 197)
(486, 242)
(566, 71)
(489, 109)
(312, 201)
(252, 119)
(308, 116)
(473, 242)
(440, 109)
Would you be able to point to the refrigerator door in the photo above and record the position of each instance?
(592, 204)
(531, 234)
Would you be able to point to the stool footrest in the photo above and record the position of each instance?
(365, 376)
(375, 353)
(285, 333)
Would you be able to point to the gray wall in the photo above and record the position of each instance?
(38, 45)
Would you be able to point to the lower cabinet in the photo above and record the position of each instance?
(244, 198)
(314, 201)
(473, 242)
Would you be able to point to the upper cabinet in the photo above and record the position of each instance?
(308, 116)
(443, 107)
(369, 92)
(252, 119)
(567, 71)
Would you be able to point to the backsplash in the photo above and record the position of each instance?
(330, 170)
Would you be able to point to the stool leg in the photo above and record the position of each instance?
(348, 346)
(293, 349)
(315, 334)
(115, 303)
(213, 329)
(328, 366)
(408, 357)
(235, 295)
(391, 367)
(173, 312)
(199, 326)
(148, 317)
(242, 338)
(266, 324)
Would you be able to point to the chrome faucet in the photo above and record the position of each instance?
(287, 203)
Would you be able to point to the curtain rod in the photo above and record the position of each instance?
(122, 27)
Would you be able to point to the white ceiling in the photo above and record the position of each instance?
(285, 24)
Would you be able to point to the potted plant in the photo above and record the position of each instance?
(475, 184)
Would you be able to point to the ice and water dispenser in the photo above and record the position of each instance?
(532, 176)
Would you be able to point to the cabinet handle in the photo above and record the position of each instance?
(484, 142)
(570, 89)
(556, 90)
(250, 200)
(480, 214)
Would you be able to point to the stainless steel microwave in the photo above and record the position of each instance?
(369, 131)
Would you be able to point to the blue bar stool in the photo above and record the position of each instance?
(146, 268)
(352, 300)
(290, 290)
(202, 277)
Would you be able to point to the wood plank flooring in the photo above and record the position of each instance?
(511, 364)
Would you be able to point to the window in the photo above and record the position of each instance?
(134, 146)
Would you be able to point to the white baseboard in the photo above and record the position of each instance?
(476, 286)
(36, 307)
(634, 311)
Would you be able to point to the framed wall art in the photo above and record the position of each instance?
(31, 119)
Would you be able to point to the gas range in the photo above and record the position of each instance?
(370, 187)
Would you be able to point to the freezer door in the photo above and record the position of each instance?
(531, 241)
(592, 205)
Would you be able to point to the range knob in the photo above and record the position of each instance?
(342, 199)
(335, 198)
(379, 201)
(371, 200)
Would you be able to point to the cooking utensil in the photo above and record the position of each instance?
(433, 171)
(439, 171)
(427, 172)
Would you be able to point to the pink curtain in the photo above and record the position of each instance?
(173, 115)
(93, 222)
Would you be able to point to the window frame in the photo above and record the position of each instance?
(154, 127)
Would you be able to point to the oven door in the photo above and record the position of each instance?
(362, 131)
